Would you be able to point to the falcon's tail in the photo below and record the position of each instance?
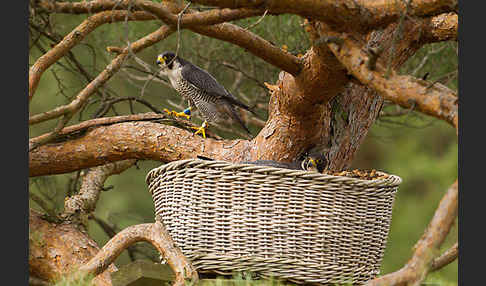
(237, 118)
(236, 102)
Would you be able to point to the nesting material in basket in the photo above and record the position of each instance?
(300, 226)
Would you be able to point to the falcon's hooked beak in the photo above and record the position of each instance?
(312, 164)
(160, 60)
(309, 164)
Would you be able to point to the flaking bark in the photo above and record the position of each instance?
(58, 249)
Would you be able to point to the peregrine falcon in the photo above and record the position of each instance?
(309, 162)
(202, 92)
(312, 160)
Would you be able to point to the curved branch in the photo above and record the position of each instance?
(103, 77)
(228, 32)
(74, 38)
(253, 43)
(200, 22)
(103, 121)
(85, 200)
(163, 11)
(155, 234)
(82, 7)
(211, 17)
(447, 257)
(431, 99)
(421, 262)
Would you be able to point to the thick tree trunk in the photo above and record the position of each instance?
(355, 109)
(58, 249)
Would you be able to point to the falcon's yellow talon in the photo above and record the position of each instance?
(177, 114)
(201, 129)
(182, 114)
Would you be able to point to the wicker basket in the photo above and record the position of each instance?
(299, 226)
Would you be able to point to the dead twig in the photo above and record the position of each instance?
(108, 103)
(104, 121)
(447, 257)
(34, 143)
(103, 77)
(44, 205)
(258, 21)
(74, 38)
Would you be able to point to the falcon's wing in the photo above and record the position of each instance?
(273, 163)
(205, 81)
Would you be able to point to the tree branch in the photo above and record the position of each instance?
(214, 16)
(344, 15)
(228, 32)
(84, 202)
(110, 231)
(74, 38)
(200, 22)
(82, 7)
(164, 11)
(447, 257)
(57, 249)
(154, 233)
(421, 262)
(253, 43)
(440, 28)
(103, 77)
(131, 140)
(434, 100)
(103, 121)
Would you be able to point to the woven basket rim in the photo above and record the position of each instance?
(391, 180)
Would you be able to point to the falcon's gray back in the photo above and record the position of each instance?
(205, 81)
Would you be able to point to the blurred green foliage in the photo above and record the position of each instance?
(75, 279)
(421, 150)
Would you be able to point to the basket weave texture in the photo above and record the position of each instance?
(295, 225)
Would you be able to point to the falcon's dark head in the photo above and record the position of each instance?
(166, 58)
(314, 164)
(314, 161)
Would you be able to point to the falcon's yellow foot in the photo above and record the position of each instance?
(201, 129)
(179, 114)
